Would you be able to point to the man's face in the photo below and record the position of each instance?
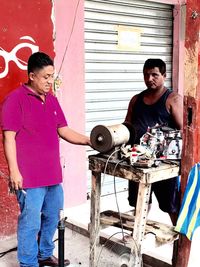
(153, 78)
(42, 80)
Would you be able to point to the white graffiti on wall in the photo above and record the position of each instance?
(11, 56)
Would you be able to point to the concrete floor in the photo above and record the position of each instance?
(77, 245)
(76, 249)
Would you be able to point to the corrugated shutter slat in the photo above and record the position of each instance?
(113, 76)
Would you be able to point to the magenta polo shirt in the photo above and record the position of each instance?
(35, 123)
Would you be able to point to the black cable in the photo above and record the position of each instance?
(2, 254)
(136, 246)
(103, 245)
(66, 48)
(104, 173)
(115, 191)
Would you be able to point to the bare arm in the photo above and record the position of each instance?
(10, 153)
(130, 109)
(73, 137)
(175, 106)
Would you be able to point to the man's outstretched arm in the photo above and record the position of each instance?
(73, 137)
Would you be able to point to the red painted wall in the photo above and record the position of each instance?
(25, 27)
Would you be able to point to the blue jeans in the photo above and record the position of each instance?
(38, 220)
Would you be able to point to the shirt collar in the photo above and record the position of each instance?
(30, 92)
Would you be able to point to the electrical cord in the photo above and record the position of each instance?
(104, 245)
(116, 200)
(104, 173)
(109, 238)
(67, 45)
(2, 254)
(117, 204)
(123, 236)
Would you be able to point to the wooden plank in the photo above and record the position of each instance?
(94, 216)
(126, 171)
(144, 191)
(149, 261)
(141, 212)
(163, 233)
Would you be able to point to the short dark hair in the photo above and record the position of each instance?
(153, 63)
(38, 61)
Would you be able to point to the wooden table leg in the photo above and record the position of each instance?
(140, 222)
(95, 217)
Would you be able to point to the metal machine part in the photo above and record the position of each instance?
(162, 143)
(61, 241)
(157, 144)
(105, 138)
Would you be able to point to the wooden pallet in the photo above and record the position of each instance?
(163, 233)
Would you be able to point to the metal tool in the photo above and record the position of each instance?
(61, 239)
(162, 142)
(104, 138)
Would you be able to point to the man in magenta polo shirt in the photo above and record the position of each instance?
(32, 122)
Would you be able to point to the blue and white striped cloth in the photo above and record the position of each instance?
(189, 215)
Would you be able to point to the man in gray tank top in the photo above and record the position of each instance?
(156, 105)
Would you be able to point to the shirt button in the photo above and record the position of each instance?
(42, 103)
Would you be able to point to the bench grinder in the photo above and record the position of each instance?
(106, 139)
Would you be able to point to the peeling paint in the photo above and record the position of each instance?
(53, 20)
(191, 70)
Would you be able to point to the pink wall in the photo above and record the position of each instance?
(178, 48)
(69, 29)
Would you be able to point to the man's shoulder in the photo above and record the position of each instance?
(139, 96)
(175, 100)
(174, 95)
(16, 93)
(13, 100)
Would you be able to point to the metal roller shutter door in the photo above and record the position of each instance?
(113, 76)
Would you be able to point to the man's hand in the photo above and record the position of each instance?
(15, 181)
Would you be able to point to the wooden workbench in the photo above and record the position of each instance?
(145, 176)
